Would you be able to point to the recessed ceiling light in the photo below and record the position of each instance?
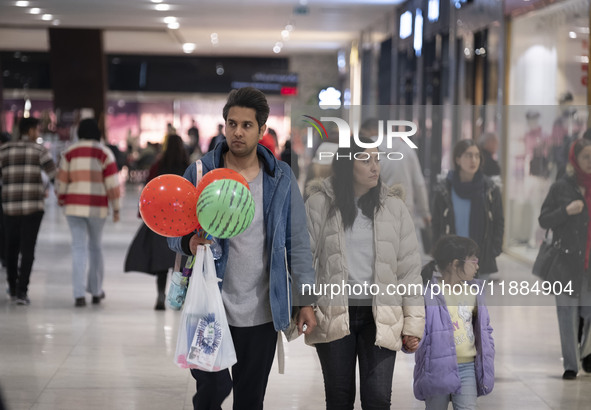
(56, 22)
(277, 49)
(156, 1)
(162, 7)
(35, 10)
(572, 34)
(188, 47)
(22, 4)
(46, 17)
(169, 19)
(174, 25)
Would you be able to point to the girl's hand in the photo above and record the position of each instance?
(575, 207)
(411, 343)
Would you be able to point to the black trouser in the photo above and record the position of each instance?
(339, 358)
(2, 230)
(255, 349)
(21, 237)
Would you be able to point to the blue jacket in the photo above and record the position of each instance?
(287, 238)
(436, 363)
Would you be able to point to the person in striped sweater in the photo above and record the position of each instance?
(87, 184)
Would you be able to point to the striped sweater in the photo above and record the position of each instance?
(88, 180)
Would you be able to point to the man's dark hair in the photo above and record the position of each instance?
(248, 97)
(26, 124)
(88, 130)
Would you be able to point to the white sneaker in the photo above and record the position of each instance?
(23, 301)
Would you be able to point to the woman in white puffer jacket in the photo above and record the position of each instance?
(368, 286)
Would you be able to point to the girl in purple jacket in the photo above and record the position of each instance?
(455, 360)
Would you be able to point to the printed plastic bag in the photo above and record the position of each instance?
(204, 340)
(179, 282)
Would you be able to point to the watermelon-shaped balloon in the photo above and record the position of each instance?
(225, 208)
(217, 174)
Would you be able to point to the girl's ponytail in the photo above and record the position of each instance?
(427, 271)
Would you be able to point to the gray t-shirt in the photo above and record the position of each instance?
(245, 289)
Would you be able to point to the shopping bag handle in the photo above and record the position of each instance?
(199, 175)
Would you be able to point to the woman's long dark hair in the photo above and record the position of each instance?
(175, 159)
(342, 183)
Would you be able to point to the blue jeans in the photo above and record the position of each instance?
(376, 365)
(465, 400)
(87, 234)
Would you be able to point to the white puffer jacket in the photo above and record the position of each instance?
(398, 264)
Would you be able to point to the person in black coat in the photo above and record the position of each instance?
(291, 157)
(567, 212)
(468, 203)
(149, 252)
(489, 147)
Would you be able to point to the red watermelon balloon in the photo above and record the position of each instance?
(216, 175)
(167, 205)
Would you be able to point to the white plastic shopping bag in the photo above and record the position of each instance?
(204, 340)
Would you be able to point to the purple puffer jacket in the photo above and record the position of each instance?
(436, 364)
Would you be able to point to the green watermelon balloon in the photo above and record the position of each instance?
(225, 208)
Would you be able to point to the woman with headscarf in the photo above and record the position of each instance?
(567, 212)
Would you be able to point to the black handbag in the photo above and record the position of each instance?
(547, 255)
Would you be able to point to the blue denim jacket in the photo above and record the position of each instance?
(287, 238)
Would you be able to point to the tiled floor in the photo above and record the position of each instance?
(119, 355)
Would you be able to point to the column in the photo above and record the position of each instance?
(78, 71)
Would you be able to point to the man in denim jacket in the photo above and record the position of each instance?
(257, 266)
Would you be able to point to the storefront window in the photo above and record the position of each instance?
(547, 97)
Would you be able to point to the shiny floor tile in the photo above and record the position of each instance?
(119, 354)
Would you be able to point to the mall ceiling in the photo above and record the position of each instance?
(213, 27)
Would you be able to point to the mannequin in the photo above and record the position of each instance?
(537, 178)
(536, 146)
(565, 130)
